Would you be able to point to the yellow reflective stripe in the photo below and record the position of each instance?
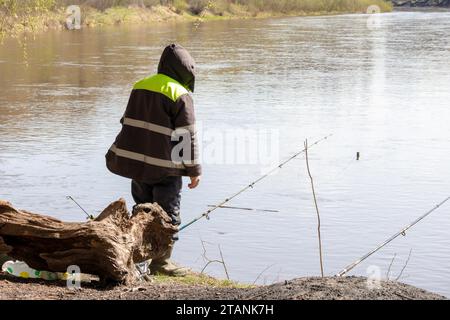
(162, 84)
(144, 158)
(148, 126)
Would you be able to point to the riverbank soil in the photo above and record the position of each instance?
(346, 288)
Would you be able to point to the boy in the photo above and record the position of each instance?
(160, 114)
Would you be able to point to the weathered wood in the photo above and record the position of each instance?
(108, 246)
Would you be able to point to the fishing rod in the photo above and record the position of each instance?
(250, 186)
(89, 216)
(401, 232)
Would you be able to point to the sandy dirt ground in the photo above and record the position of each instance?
(348, 288)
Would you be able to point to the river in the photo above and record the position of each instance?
(380, 86)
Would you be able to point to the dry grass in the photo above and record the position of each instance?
(196, 279)
(197, 6)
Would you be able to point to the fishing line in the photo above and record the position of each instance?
(89, 216)
(245, 209)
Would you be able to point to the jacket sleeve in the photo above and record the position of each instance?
(184, 121)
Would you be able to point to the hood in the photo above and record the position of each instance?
(177, 63)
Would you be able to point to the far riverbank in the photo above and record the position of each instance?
(14, 21)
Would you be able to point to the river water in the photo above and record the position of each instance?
(380, 86)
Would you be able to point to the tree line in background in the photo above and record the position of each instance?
(197, 6)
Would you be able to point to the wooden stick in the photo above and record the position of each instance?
(317, 207)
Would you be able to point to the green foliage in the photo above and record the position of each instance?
(26, 6)
(180, 6)
(198, 6)
(308, 6)
(30, 15)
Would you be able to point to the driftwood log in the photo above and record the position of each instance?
(108, 246)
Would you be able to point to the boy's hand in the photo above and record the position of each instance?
(195, 181)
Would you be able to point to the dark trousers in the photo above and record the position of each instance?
(167, 193)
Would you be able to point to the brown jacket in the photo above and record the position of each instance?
(158, 106)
